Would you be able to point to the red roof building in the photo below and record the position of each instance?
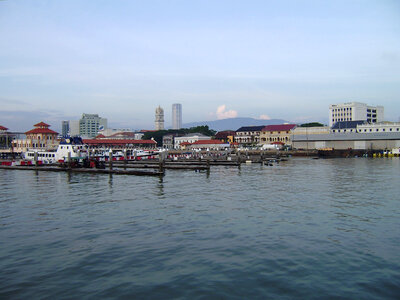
(120, 143)
(41, 137)
(277, 134)
(2, 128)
(209, 144)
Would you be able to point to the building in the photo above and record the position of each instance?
(248, 135)
(208, 145)
(5, 138)
(169, 140)
(355, 111)
(41, 137)
(272, 134)
(225, 136)
(378, 127)
(119, 144)
(346, 126)
(346, 141)
(65, 128)
(176, 116)
(189, 138)
(88, 126)
(311, 130)
(159, 121)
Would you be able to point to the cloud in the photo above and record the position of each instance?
(264, 117)
(223, 114)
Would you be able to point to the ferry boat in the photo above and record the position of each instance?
(68, 147)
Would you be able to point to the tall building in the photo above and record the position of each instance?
(87, 126)
(159, 122)
(176, 116)
(65, 128)
(355, 111)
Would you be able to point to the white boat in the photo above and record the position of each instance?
(68, 147)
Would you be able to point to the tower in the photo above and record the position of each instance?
(159, 122)
(176, 116)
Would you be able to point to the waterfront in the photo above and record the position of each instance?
(302, 229)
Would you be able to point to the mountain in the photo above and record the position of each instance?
(234, 123)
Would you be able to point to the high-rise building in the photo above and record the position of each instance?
(159, 122)
(65, 128)
(176, 116)
(355, 111)
(87, 126)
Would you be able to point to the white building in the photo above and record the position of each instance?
(176, 116)
(355, 111)
(159, 121)
(88, 126)
(190, 138)
(387, 127)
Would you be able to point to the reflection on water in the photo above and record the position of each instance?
(296, 229)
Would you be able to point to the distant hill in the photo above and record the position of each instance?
(234, 123)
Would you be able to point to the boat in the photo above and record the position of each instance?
(69, 147)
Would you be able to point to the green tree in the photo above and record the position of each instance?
(158, 135)
(312, 124)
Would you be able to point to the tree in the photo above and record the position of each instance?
(312, 124)
(158, 135)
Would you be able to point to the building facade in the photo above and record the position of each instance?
(176, 116)
(41, 138)
(355, 111)
(169, 140)
(159, 120)
(271, 134)
(346, 141)
(378, 127)
(65, 128)
(248, 135)
(88, 126)
(189, 138)
(6, 138)
(225, 136)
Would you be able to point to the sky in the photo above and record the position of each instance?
(262, 59)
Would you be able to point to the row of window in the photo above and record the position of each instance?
(367, 130)
(30, 154)
(342, 109)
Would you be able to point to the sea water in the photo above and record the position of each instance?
(303, 228)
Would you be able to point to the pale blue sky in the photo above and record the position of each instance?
(121, 59)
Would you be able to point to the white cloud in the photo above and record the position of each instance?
(264, 117)
(223, 114)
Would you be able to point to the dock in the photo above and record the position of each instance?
(85, 170)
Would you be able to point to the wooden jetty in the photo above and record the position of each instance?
(86, 170)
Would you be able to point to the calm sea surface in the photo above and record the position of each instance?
(306, 228)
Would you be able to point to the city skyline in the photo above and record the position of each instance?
(259, 59)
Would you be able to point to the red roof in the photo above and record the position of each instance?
(281, 127)
(185, 144)
(116, 142)
(207, 142)
(41, 124)
(100, 136)
(41, 130)
(3, 128)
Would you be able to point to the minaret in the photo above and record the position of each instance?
(159, 118)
